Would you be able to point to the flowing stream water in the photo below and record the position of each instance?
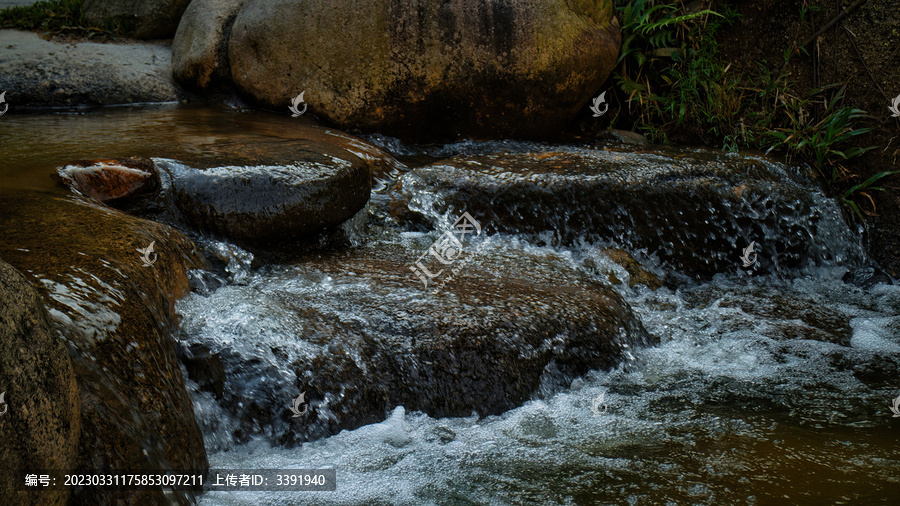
(764, 388)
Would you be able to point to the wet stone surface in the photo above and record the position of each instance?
(40, 416)
(360, 334)
(269, 206)
(695, 210)
(116, 183)
(115, 315)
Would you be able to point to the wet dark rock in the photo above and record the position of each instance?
(793, 317)
(271, 189)
(141, 19)
(205, 282)
(41, 414)
(876, 370)
(115, 315)
(493, 68)
(205, 368)
(867, 277)
(637, 273)
(695, 210)
(267, 206)
(360, 334)
(113, 182)
(623, 137)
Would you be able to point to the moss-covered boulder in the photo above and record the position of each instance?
(422, 69)
(40, 412)
(114, 312)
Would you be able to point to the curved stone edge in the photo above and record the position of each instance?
(200, 47)
(379, 96)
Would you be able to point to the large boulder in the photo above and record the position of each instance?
(423, 69)
(141, 19)
(360, 333)
(40, 409)
(42, 73)
(111, 299)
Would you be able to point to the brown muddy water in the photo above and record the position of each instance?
(36, 144)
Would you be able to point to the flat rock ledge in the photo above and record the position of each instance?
(42, 73)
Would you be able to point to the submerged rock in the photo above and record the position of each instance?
(867, 277)
(637, 273)
(494, 68)
(359, 333)
(113, 182)
(40, 413)
(696, 210)
(275, 141)
(112, 306)
(623, 137)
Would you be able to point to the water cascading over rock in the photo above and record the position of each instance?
(360, 334)
(695, 210)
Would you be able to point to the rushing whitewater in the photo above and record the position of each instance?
(767, 387)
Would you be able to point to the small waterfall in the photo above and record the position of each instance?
(696, 210)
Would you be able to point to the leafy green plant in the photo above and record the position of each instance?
(701, 92)
(861, 189)
(655, 46)
(673, 77)
(54, 17)
(821, 142)
(647, 24)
